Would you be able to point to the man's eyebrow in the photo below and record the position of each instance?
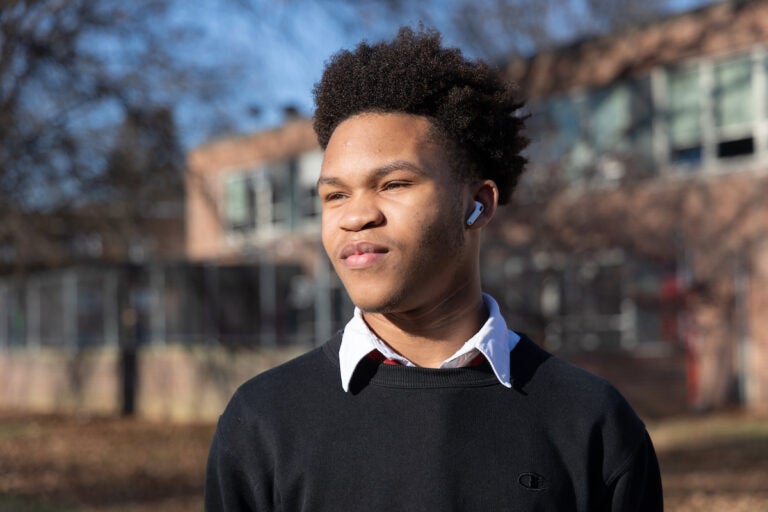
(377, 173)
(398, 165)
(329, 181)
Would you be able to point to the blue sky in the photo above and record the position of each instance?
(275, 67)
(275, 55)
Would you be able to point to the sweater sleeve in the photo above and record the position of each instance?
(222, 491)
(638, 486)
(238, 475)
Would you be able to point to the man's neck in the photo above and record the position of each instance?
(428, 336)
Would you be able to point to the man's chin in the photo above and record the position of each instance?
(368, 304)
(372, 308)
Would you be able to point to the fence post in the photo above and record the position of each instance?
(323, 299)
(32, 307)
(111, 308)
(157, 311)
(69, 309)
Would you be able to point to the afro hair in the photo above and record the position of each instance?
(467, 101)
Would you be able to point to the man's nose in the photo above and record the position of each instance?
(361, 213)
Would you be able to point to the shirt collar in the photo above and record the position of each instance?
(493, 340)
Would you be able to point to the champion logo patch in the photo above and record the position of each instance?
(532, 481)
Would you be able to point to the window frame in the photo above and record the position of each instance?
(290, 179)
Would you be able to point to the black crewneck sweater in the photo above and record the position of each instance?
(420, 439)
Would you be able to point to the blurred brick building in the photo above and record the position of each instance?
(639, 232)
(637, 243)
(649, 180)
(252, 200)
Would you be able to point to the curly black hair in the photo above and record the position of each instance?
(467, 101)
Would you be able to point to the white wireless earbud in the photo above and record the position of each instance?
(475, 213)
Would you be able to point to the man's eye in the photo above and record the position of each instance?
(394, 184)
(334, 196)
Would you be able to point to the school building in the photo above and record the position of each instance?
(636, 246)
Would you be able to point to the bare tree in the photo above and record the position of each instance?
(503, 29)
(81, 81)
(87, 133)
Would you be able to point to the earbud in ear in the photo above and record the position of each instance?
(475, 213)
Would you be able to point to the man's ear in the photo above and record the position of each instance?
(486, 193)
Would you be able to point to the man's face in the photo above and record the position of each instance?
(393, 213)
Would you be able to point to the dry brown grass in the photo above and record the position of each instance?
(101, 464)
(714, 463)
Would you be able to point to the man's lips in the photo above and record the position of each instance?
(361, 248)
(361, 254)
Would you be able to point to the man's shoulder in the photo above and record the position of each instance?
(566, 388)
(275, 396)
(295, 373)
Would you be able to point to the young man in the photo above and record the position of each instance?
(425, 401)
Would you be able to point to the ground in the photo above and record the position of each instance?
(714, 463)
(84, 464)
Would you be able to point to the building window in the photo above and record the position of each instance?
(563, 125)
(601, 135)
(308, 204)
(684, 115)
(620, 129)
(278, 187)
(561, 138)
(274, 198)
(711, 110)
(610, 118)
(733, 107)
(693, 115)
(239, 203)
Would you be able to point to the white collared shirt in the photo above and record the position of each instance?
(493, 340)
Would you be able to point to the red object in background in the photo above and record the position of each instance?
(677, 327)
